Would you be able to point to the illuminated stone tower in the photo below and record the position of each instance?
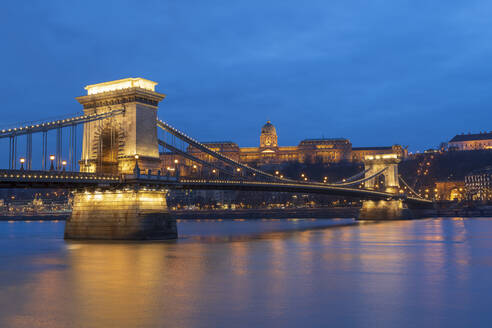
(110, 145)
(268, 137)
(390, 209)
(375, 163)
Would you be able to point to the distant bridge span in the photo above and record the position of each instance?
(297, 188)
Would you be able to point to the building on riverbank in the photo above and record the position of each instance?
(478, 184)
(475, 141)
(450, 190)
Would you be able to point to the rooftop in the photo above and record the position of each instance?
(132, 82)
(470, 137)
(372, 148)
(218, 143)
(484, 170)
(323, 141)
(326, 139)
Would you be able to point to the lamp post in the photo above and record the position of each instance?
(52, 159)
(176, 171)
(136, 169)
(64, 165)
(22, 161)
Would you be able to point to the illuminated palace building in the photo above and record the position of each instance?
(475, 141)
(325, 150)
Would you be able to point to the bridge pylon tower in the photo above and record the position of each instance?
(389, 209)
(111, 145)
(387, 162)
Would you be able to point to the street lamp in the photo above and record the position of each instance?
(52, 159)
(22, 161)
(176, 169)
(64, 165)
(136, 169)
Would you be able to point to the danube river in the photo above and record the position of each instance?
(257, 273)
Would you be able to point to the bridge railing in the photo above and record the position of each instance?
(14, 134)
(59, 177)
(62, 123)
(172, 130)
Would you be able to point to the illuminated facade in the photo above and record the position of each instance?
(478, 184)
(449, 190)
(323, 150)
(469, 141)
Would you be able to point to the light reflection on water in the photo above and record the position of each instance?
(290, 273)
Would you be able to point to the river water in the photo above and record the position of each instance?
(253, 273)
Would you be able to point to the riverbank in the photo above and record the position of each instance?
(43, 217)
(322, 213)
(325, 213)
(351, 212)
(315, 213)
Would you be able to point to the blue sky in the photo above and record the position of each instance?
(377, 72)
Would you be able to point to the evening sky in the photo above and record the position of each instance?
(377, 72)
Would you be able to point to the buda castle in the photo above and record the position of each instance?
(325, 150)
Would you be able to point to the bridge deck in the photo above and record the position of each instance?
(77, 180)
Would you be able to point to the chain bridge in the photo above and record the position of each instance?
(119, 183)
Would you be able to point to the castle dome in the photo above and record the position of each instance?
(268, 137)
(268, 128)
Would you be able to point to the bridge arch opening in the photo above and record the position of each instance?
(109, 142)
(381, 182)
(108, 156)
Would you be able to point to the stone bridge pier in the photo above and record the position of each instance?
(113, 146)
(389, 209)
